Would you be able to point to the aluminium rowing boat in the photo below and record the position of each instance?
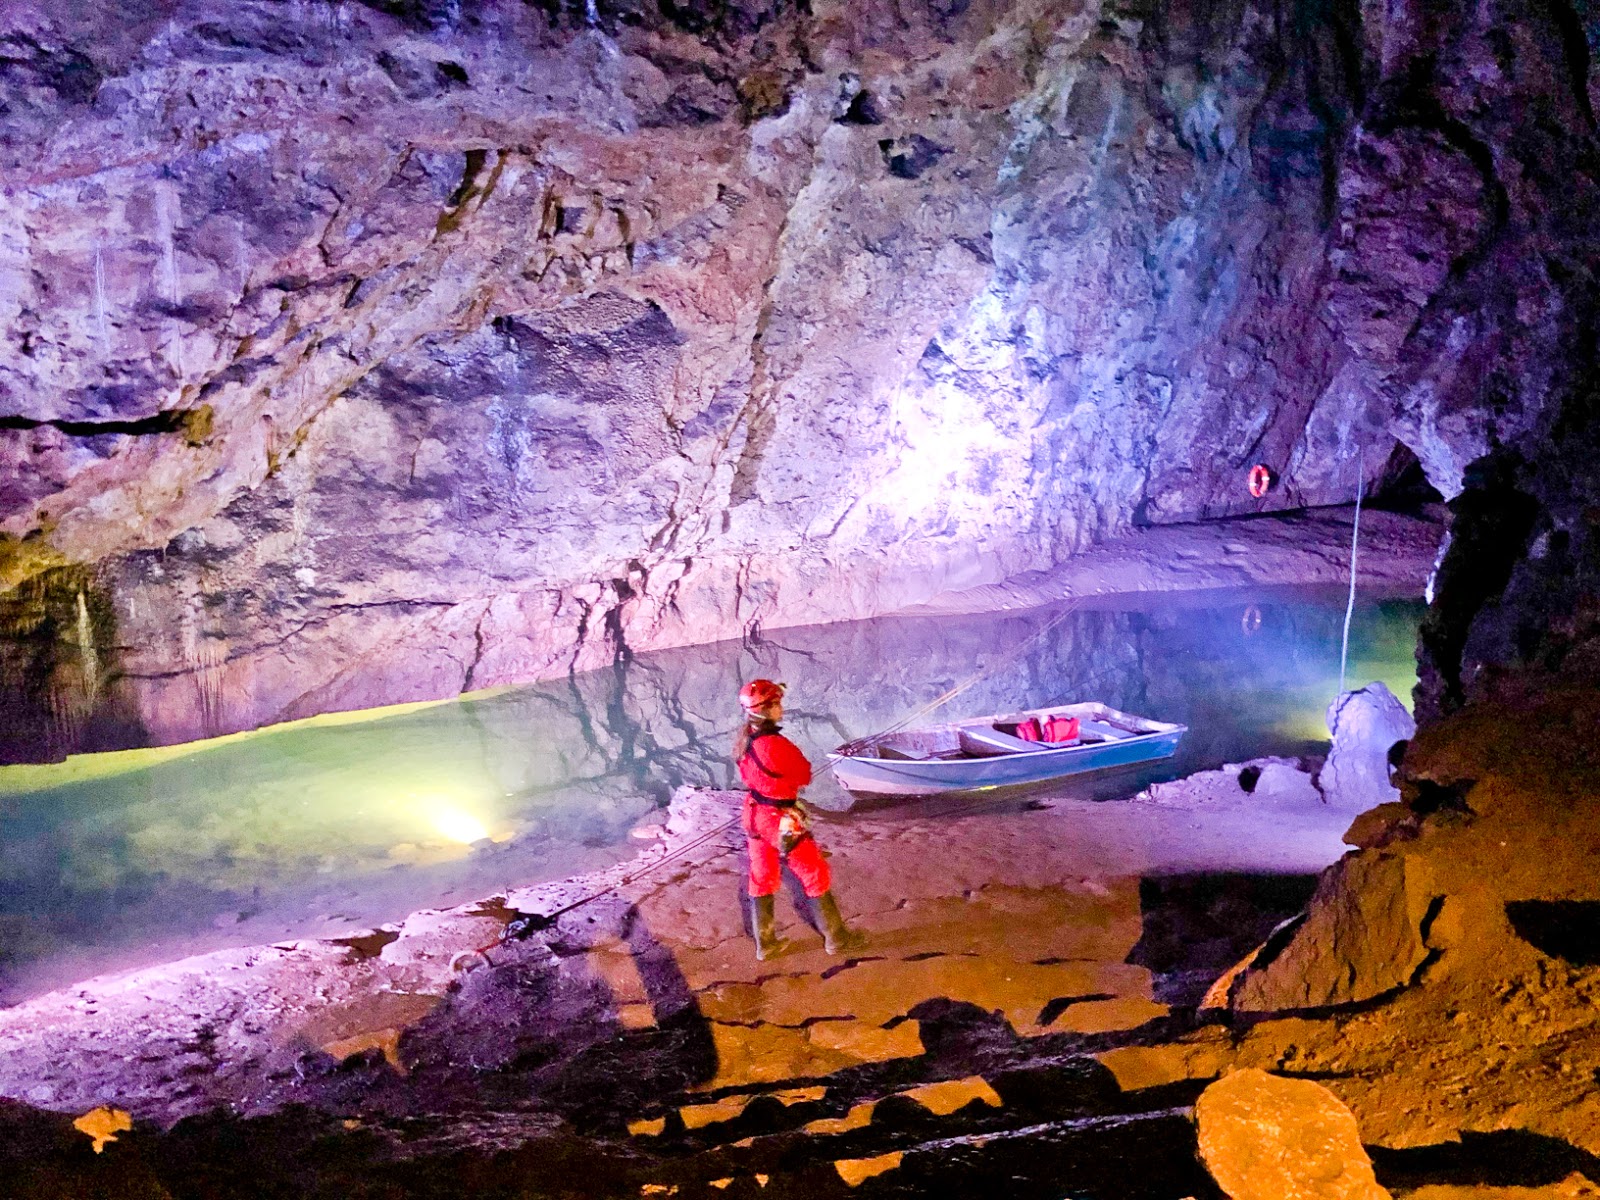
(985, 752)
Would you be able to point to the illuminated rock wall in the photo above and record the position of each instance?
(375, 351)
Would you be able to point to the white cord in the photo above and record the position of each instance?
(1350, 606)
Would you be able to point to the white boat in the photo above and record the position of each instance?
(985, 752)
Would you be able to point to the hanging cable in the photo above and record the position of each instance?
(1350, 605)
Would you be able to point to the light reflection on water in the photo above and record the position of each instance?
(327, 826)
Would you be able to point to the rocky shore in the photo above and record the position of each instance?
(1028, 907)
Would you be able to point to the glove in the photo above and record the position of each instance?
(791, 828)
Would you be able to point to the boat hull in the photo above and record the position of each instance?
(912, 778)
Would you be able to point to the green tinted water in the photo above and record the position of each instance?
(326, 826)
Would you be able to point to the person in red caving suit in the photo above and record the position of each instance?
(773, 770)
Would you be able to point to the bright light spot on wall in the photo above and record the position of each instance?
(944, 430)
(457, 824)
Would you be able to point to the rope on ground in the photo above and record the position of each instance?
(534, 922)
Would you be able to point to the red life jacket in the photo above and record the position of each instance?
(1061, 729)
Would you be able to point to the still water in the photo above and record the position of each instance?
(328, 826)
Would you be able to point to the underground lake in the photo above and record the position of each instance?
(329, 826)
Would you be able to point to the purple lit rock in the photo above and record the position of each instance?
(1367, 725)
(511, 338)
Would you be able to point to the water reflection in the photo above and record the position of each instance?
(325, 826)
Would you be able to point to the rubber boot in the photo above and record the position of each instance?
(764, 920)
(837, 937)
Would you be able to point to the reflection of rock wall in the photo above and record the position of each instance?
(510, 337)
(669, 717)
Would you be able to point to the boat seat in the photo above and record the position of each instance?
(1101, 732)
(985, 741)
(890, 752)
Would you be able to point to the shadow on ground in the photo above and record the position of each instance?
(529, 1080)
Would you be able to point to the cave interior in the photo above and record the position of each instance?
(419, 417)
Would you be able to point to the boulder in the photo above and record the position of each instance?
(1383, 825)
(1284, 782)
(1364, 935)
(1267, 780)
(1365, 725)
(1264, 1137)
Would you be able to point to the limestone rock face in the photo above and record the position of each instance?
(1364, 935)
(517, 335)
(1516, 594)
(1264, 1137)
(1365, 725)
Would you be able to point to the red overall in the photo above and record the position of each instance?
(774, 770)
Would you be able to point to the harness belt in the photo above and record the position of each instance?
(762, 797)
(770, 801)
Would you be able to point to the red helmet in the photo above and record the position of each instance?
(759, 693)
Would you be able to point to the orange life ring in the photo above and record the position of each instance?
(1261, 479)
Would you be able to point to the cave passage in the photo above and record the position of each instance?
(326, 827)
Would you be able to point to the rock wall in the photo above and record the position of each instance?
(487, 340)
(1516, 603)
